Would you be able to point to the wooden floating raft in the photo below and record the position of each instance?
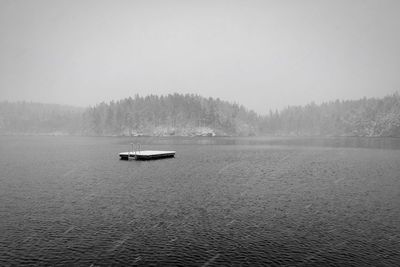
(146, 154)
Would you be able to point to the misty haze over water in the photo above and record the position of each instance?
(283, 116)
(265, 55)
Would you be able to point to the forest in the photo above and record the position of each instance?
(174, 114)
(37, 118)
(364, 117)
(193, 115)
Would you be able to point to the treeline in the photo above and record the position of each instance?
(37, 118)
(189, 115)
(364, 117)
(174, 114)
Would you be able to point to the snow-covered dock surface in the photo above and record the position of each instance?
(146, 154)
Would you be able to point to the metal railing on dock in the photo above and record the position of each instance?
(136, 147)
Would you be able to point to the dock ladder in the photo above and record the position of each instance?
(136, 147)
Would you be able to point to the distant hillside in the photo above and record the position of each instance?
(364, 117)
(173, 114)
(193, 115)
(36, 118)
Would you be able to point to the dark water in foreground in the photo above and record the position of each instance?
(221, 201)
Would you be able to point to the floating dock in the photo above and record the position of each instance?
(146, 155)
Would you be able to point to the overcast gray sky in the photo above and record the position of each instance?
(262, 54)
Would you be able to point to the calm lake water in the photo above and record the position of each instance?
(220, 201)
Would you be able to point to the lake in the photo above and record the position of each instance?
(220, 201)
